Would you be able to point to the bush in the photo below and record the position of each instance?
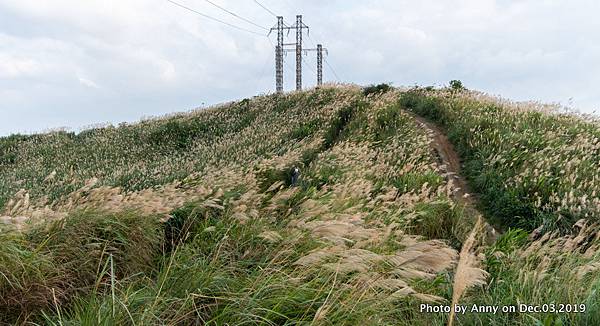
(421, 104)
(376, 89)
(456, 85)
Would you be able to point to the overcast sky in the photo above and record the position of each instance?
(72, 63)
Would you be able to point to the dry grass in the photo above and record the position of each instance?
(371, 230)
(468, 271)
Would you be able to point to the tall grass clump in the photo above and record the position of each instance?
(468, 272)
(28, 276)
(85, 240)
(227, 273)
(51, 264)
(553, 270)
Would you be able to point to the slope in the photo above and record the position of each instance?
(535, 168)
(191, 219)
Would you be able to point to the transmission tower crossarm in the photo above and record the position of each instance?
(312, 50)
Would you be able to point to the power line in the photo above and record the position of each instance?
(326, 62)
(332, 70)
(214, 19)
(311, 40)
(308, 66)
(262, 74)
(265, 8)
(236, 15)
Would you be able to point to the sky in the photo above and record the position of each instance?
(81, 63)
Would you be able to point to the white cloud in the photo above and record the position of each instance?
(12, 67)
(88, 83)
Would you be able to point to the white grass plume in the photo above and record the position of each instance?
(468, 273)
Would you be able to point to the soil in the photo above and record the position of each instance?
(451, 164)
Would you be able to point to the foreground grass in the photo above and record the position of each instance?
(227, 274)
(55, 262)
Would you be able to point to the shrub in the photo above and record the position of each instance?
(376, 89)
(456, 85)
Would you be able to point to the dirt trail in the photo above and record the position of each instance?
(448, 158)
(451, 164)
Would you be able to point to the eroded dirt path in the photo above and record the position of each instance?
(449, 159)
(451, 164)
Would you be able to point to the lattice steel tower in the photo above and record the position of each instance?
(319, 64)
(299, 27)
(279, 51)
(320, 50)
(279, 56)
(299, 52)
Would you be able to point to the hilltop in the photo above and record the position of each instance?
(407, 198)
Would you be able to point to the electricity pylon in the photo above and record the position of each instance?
(320, 49)
(280, 51)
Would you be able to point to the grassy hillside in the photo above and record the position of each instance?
(532, 166)
(191, 219)
(157, 152)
